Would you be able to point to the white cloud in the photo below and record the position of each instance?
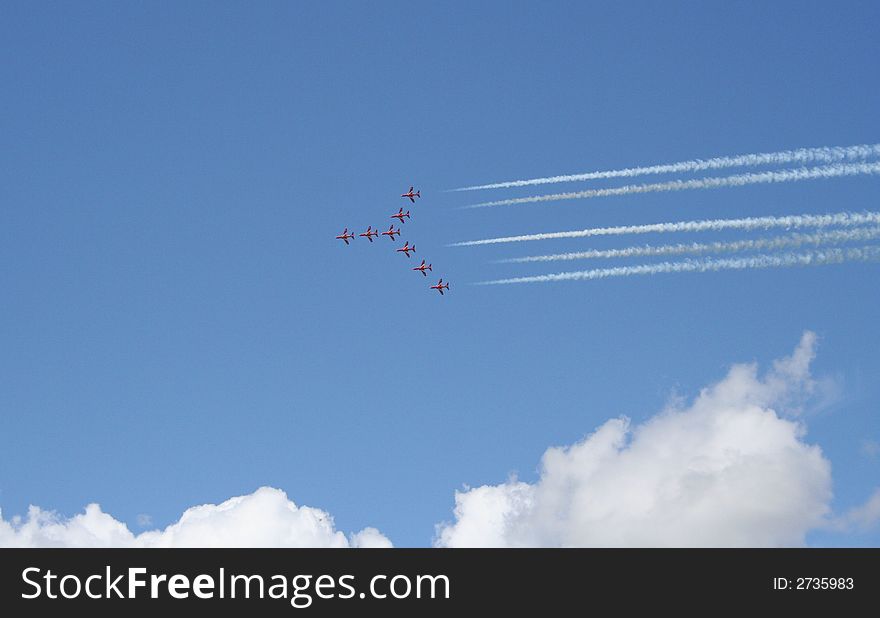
(860, 518)
(265, 518)
(728, 470)
(870, 448)
(370, 538)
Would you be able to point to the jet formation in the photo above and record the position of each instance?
(407, 248)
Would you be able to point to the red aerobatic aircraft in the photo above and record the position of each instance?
(400, 215)
(439, 287)
(423, 268)
(412, 196)
(391, 232)
(370, 233)
(406, 249)
(345, 236)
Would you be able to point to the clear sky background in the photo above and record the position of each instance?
(179, 324)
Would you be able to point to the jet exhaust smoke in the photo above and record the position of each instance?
(783, 260)
(843, 219)
(760, 244)
(822, 154)
(737, 180)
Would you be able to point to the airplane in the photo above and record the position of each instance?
(345, 236)
(423, 268)
(400, 215)
(439, 287)
(406, 249)
(412, 196)
(369, 234)
(391, 232)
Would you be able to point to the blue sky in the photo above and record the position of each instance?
(180, 326)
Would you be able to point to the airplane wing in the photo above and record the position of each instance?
(441, 291)
(346, 240)
(411, 199)
(410, 189)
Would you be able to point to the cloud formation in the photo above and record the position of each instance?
(729, 469)
(861, 518)
(265, 518)
(870, 448)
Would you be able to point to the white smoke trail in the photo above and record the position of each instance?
(761, 244)
(843, 219)
(737, 180)
(783, 260)
(801, 155)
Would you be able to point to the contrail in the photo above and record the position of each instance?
(783, 260)
(760, 244)
(843, 219)
(801, 155)
(737, 180)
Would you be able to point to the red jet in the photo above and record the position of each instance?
(412, 196)
(370, 233)
(423, 268)
(391, 232)
(406, 249)
(345, 236)
(400, 215)
(439, 287)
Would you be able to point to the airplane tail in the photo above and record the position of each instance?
(429, 268)
(419, 193)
